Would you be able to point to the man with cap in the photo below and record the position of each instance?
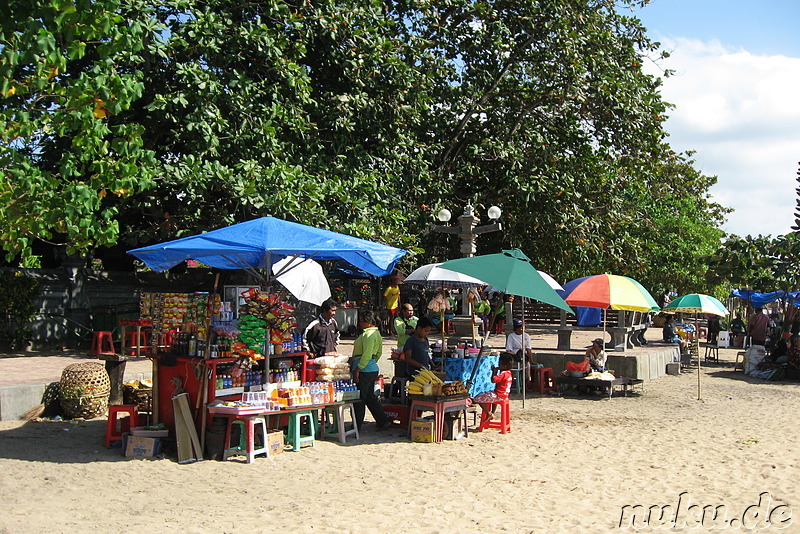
(519, 343)
(596, 355)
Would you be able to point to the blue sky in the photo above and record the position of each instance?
(736, 100)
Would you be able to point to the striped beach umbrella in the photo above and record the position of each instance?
(609, 291)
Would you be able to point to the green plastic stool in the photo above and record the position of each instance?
(516, 383)
(294, 437)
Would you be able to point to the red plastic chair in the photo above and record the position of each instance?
(504, 424)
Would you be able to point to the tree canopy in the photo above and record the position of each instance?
(167, 118)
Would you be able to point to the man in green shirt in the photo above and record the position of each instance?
(367, 350)
(404, 324)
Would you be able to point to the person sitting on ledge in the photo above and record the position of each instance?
(596, 355)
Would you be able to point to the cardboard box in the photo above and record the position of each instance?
(275, 442)
(454, 427)
(141, 431)
(422, 431)
(140, 446)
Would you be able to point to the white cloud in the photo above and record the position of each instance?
(740, 112)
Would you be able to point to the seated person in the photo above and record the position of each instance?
(502, 377)
(482, 311)
(417, 349)
(714, 328)
(596, 355)
(670, 336)
(794, 353)
(518, 343)
(780, 353)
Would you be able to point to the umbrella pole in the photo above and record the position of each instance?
(524, 354)
(697, 333)
(444, 339)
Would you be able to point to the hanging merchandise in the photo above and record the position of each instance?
(266, 319)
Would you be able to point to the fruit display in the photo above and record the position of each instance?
(424, 378)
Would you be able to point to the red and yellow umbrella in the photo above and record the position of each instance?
(609, 291)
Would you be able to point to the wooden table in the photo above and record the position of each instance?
(439, 406)
(594, 383)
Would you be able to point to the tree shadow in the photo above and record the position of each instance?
(63, 442)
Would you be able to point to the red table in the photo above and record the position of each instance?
(439, 406)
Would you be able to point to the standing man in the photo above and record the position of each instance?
(757, 327)
(322, 334)
(404, 324)
(391, 298)
(366, 353)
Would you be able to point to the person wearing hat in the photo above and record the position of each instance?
(519, 343)
(596, 355)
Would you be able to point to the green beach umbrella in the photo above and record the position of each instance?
(512, 273)
(697, 303)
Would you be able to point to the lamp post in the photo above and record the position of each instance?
(468, 228)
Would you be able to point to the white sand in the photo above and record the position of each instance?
(569, 465)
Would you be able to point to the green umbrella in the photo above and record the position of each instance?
(510, 272)
(697, 303)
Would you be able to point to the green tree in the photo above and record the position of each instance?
(68, 71)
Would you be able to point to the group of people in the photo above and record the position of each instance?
(757, 328)
(322, 336)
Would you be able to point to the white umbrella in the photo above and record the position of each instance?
(303, 278)
(432, 275)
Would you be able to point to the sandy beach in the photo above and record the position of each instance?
(569, 464)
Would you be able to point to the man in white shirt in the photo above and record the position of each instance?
(519, 343)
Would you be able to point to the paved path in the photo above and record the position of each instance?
(17, 368)
(44, 367)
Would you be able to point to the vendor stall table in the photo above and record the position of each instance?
(439, 406)
(340, 433)
(594, 383)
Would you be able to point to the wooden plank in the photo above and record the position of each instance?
(182, 438)
(183, 414)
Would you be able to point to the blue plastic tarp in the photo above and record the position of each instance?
(759, 300)
(262, 242)
(588, 316)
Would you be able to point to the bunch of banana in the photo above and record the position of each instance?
(427, 377)
(413, 388)
(423, 377)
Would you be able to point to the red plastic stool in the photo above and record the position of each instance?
(131, 341)
(115, 427)
(543, 379)
(102, 343)
(504, 424)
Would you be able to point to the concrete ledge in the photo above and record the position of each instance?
(646, 365)
(16, 400)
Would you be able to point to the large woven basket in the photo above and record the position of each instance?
(84, 390)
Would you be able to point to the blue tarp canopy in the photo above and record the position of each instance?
(759, 300)
(262, 242)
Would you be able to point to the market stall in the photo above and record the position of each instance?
(218, 351)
